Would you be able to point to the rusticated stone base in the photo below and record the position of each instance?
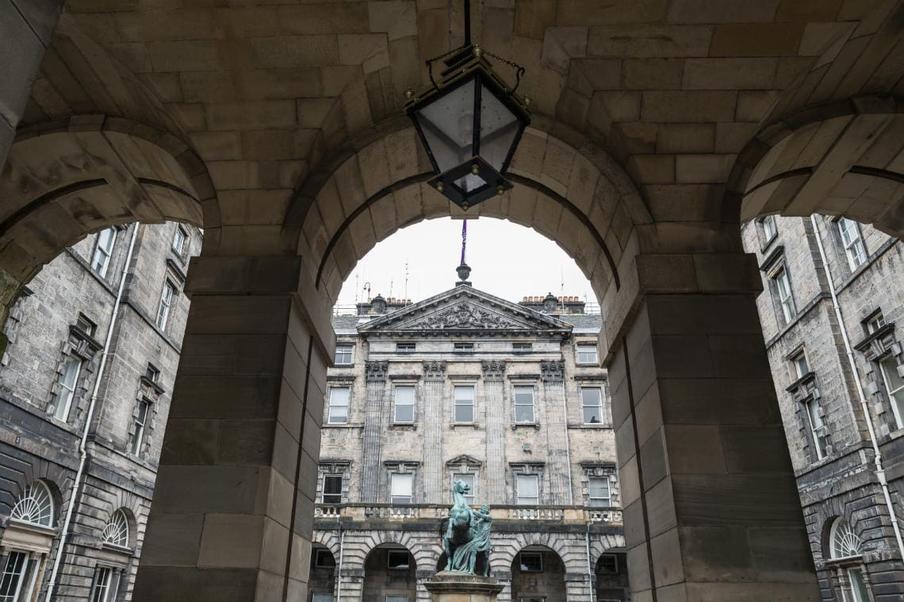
(451, 586)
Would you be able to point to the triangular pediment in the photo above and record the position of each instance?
(464, 310)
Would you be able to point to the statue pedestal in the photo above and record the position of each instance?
(452, 586)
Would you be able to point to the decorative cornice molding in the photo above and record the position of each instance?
(375, 371)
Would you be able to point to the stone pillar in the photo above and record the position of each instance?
(26, 30)
(352, 584)
(434, 425)
(494, 474)
(375, 410)
(711, 508)
(553, 376)
(577, 587)
(233, 507)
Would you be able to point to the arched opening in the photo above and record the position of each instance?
(390, 575)
(611, 574)
(844, 560)
(27, 540)
(538, 573)
(322, 579)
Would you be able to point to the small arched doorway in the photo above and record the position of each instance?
(322, 579)
(390, 575)
(538, 575)
(612, 578)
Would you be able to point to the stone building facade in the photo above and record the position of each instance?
(85, 386)
(510, 398)
(839, 410)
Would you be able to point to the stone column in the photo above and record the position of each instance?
(375, 409)
(553, 376)
(494, 388)
(711, 506)
(434, 425)
(233, 507)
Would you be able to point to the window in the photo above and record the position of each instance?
(468, 479)
(608, 564)
(401, 488)
(894, 386)
(844, 543)
(464, 404)
(781, 286)
(397, 559)
(527, 489)
(141, 419)
(17, 583)
(770, 229)
(332, 489)
(152, 373)
(854, 248)
(522, 347)
(592, 404)
(859, 591)
(404, 404)
(103, 250)
(34, 506)
(345, 355)
(530, 562)
(405, 347)
(106, 585)
(85, 325)
(72, 367)
(166, 303)
(179, 238)
(323, 559)
(338, 408)
(817, 427)
(875, 322)
(463, 347)
(587, 354)
(799, 365)
(599, 492)
(524, 404)
(116, 531)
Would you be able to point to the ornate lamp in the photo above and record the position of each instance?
(470, 123)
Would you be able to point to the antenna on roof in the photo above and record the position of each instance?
(406, 279)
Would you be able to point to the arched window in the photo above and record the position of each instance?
(35, 506)
(843, 541)
(116, 531)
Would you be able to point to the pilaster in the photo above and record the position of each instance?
(434, 388)
(552, 375)
(375, 416)
(494, 390)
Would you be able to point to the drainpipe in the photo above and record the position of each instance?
(338, 597)
(589, 563)
(83, 445)
(877, 454)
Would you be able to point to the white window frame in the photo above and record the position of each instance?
(897, 405)
(593, 500)
(519, 391)
(875, 322)
(22, 578)
(798, 363)
(856, 596)
(35, 506)
(522, 500)
(348, 349)
(401, 476)
(140, 423)
(164, 309)
(395, 403)
(585, 406)
(323, 493)
(68, 382)
(332, 405)
(456, 404)
(770, 229)
(106, 584)
(463, 347)
(180, 237)
(581, 356)
(103, 251)
(852, 241)
(116, 531)
(815, 423)
(406, 347)
(781, 282)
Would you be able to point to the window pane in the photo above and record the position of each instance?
(397, 559)
(598, 489)
(464, 393)
(338, 410)
(464, 413)
(404, 413)
(344, 355)
(402, 488)
(72, 366)
(587, 354)
(528, 489)
(13, 576)
(464, 404)
(858, 585)
(332, 489)
(524, 404)
(592, 401)
(530, 562)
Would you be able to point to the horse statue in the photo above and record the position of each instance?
(466, 535)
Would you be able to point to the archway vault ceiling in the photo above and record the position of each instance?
(272, 98)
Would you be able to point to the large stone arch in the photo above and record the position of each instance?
(606, 543)
(502, 557)
(355, 556)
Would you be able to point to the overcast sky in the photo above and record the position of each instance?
(507, 260)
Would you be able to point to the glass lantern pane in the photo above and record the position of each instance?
(448, 126)
(470, 182)
(498, 128)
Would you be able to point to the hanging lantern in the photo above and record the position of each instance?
(470, 124)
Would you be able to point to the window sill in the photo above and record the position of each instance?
(592, 426)
(530, 425)
(404, 426)
(345, 425)
(466, 425)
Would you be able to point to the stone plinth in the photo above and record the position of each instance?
(451, 586)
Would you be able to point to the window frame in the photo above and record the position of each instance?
(140, 423)
(519, 347)
(323, 492)
(799, 359)
(590, 496)
(530, 553)
(65, 398)
(456, 404)
(106, 252)
(519, 496)
(522, 387)
(463, 347)
(768, 233)
(392, 477)
(165, 304)
(603, 419)
(26, 575)
(844, 227)
(351, 354)
(180, 232)
(780, 279)
(811, 409)
(398, 567)
(406, 347)
(330, 405)
(395, 403)
(324, 552)
(897, 407)
(578, 351)
(110, 585)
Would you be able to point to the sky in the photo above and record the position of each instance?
(507, 260)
